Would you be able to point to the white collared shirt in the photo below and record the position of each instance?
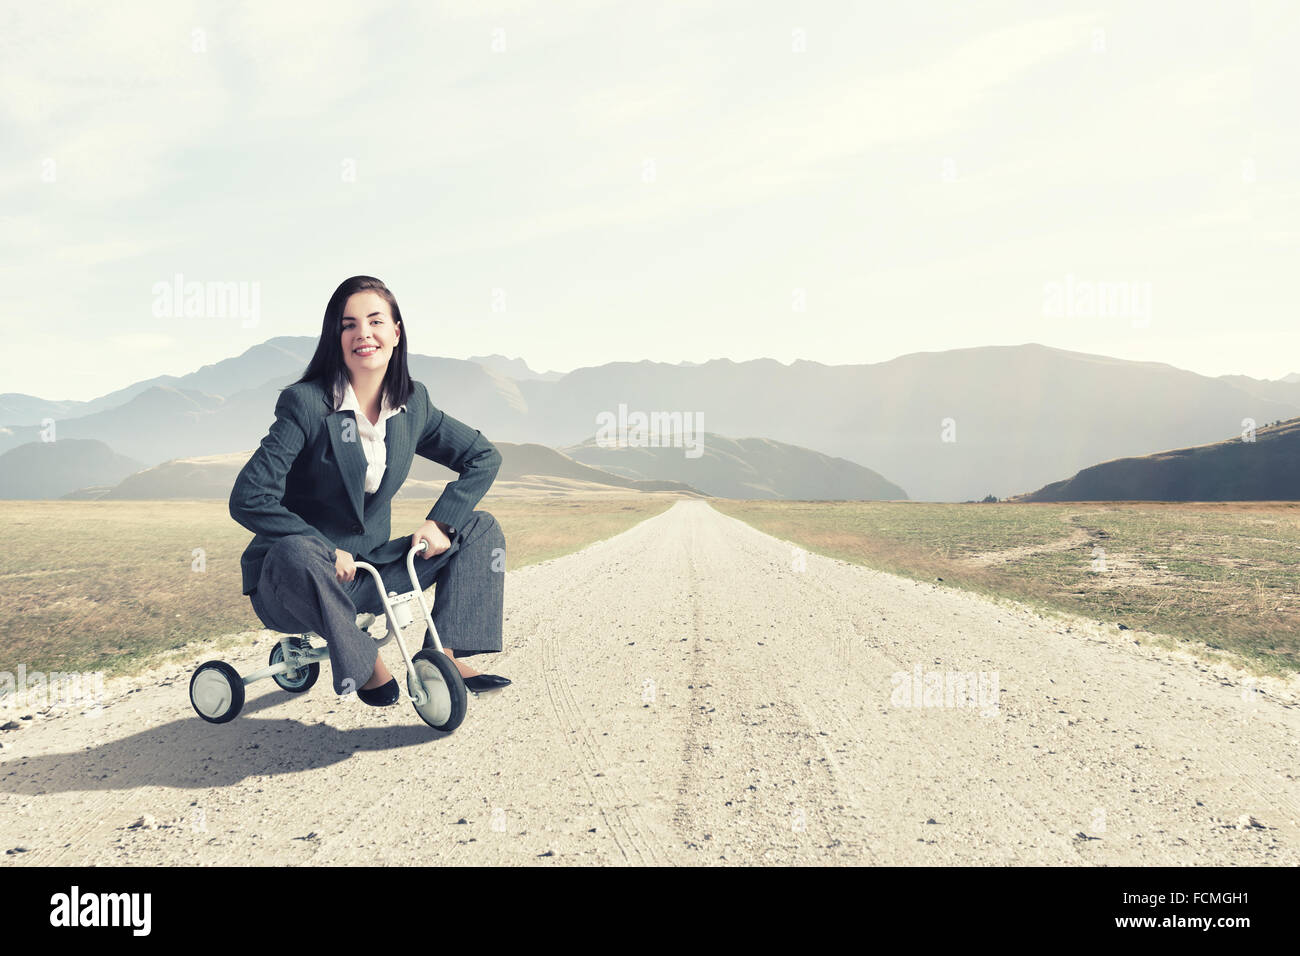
(372, 436)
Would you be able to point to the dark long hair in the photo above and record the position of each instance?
(328, 367)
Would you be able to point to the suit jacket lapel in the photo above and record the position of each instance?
(397, 439)
(350, 458)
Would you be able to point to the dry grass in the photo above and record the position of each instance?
(1214, 577)
(115, 585)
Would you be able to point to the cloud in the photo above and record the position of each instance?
(89, 254)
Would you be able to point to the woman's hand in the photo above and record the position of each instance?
(345, 569)
(431, 531)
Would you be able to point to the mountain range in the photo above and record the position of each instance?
(942, 426)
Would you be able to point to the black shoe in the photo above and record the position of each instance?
(382, 696)
(481, 682)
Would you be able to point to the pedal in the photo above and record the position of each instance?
(365, 620)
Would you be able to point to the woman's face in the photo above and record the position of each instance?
(368, 321)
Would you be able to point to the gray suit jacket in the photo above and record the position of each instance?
(306, 479)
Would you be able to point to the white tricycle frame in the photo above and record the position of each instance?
(434, 685)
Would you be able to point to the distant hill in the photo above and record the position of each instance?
(746, 468)
(213, 476)
(529, 460)
(1283, 390)
(1267, 469)
(209, 476)
(513, 368)
(52, 469)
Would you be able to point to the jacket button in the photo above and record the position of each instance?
(357, 529)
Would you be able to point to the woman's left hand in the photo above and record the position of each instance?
(432, 532)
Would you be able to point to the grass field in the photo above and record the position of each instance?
(112, 586)
(1218, 578)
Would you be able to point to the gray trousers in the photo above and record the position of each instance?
(298, 592)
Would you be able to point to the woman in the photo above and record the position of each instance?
(317, 492)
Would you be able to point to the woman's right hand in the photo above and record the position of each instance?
(345, 569)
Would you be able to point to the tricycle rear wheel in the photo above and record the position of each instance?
(217, 692)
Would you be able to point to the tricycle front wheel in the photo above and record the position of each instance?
(444, 689)
(298, 681)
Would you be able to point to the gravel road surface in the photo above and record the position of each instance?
(693, 691)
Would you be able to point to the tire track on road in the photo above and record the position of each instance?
(781, 752)
(862, 668)
(611, 799)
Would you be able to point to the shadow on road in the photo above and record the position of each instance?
(193, 753)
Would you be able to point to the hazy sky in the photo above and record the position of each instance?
(578, 183)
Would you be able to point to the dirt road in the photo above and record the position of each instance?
(685, 693)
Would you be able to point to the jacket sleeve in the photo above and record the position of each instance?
(465, 451)
(256, 500)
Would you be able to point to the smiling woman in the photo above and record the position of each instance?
(370, 333)
(317, 495)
